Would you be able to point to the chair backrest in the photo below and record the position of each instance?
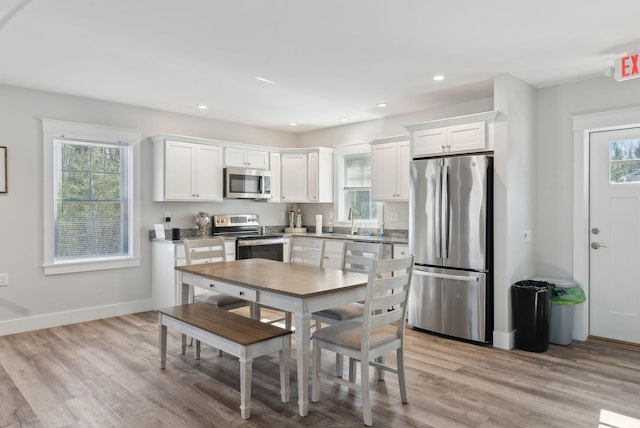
(307, 251)
(386, 301)
(204, 250)
(358, 256)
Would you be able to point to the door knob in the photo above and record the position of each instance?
(596, 245)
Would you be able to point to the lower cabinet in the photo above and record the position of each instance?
(165, 256)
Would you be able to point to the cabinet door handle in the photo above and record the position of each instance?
(241, 293)
(212, 285)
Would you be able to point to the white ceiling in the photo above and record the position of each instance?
(331, 59)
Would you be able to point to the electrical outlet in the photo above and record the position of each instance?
(281, 215)
(167, 217)
(4, 279)
(526, 235)
(393, 216)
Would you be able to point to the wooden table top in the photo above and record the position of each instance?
(283, 278)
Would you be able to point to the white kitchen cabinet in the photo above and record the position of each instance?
(246, 158)
(400, 251)
(276, 181)
(165, 256)
(186, 171)
(294, 177)
(459, 138)
(286, 250)
(320, 175)
(390, 169)
(462, 134)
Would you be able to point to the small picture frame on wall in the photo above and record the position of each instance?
(3, 169)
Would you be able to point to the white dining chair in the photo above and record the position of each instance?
(307, 251)
(369, 339)
(208, 250)
(357, 257)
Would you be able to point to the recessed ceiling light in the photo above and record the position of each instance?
(344, 119)
(438, 77)
(383, 105)
(262, 79)
(202, 107)
(292, 124)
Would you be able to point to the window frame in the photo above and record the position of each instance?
(338, 155)
(53, 130)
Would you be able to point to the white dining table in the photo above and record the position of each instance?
(301, 290)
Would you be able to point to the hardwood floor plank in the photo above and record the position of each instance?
(106, 373)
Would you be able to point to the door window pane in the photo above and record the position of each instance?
(624, 161)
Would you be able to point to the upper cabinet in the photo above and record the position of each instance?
(276, 180)
(462, 134)
(186, 170)
(294, 177)
(390, 169)
(307, 176)
(246, 158)
(320, 175)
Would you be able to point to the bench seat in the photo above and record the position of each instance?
(242, 337)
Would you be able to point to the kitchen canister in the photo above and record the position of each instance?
(318, 224)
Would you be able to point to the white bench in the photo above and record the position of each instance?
(242, 337)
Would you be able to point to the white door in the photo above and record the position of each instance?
(614, 303)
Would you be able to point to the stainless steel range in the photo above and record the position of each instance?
(250, 243)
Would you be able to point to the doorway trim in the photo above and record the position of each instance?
(583, 126)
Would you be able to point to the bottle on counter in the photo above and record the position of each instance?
(299, 218)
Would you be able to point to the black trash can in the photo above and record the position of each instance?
(531, 301)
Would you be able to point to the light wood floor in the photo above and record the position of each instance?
(105, 374)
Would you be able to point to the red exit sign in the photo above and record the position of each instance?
(627, 67)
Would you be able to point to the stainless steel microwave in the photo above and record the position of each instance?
(242, 183)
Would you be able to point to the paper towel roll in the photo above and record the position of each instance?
(318, 224)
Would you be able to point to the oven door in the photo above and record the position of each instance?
(271, 249)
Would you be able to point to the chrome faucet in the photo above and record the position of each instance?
(351, 216)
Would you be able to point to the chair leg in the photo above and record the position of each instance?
(287, 320)
(315, 370)
(196, 351)
(285, 356)
(352, 370)
(162, 342)
(401, 380)
(184, 343)
(339, 366)
(380, 360)
(366, 396)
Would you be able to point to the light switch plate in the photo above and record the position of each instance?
(4, 279)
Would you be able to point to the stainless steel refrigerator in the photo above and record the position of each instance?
(450, 235)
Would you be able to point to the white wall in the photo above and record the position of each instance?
(554, 208)
(514, 196)
(363, 132)
(33, 300)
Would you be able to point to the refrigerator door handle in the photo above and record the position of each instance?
(444, 205)
(446, 276)
(437, 210)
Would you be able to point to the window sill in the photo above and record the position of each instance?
(90, 265)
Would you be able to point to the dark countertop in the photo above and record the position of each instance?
(363, 238)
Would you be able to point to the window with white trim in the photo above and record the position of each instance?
(90, 206)
(353, 166)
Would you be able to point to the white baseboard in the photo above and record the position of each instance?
(504, 340)
(20, 325)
